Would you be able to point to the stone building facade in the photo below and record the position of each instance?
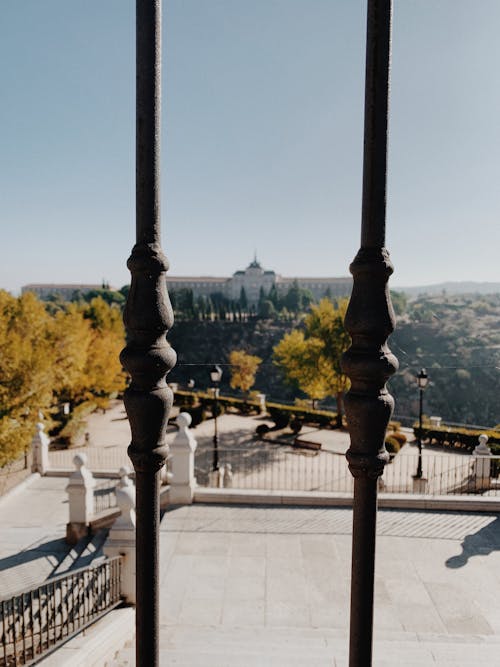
(65, 291)
(253, 279)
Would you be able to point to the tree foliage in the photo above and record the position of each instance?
(310, 356)
(244, 367)
(25, 370)
(49, 356)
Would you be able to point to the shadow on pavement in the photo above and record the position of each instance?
(482, 543)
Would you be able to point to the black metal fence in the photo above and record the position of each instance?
(36, 622)
(104, 497)
(281, 468)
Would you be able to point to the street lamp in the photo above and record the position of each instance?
(215, 377)
(422, 381)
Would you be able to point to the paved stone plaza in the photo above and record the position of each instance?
(270, 586)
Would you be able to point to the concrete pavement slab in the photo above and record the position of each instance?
(285, 574)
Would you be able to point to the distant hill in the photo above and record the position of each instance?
(452, 288)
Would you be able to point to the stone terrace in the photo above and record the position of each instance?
(269, 586)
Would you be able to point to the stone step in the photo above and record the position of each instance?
(98, 645)
(294, 647)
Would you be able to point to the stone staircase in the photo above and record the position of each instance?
(238, 647)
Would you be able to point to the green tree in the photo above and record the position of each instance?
(274, 297)
(293, 298)
(311, 356)
(243, 299)
(266, 309)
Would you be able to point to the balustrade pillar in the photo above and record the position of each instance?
(369, 320)
(121, 539)
(183, 482)
(40, 450)
(481, 473)
(80, 490)
(148, 315)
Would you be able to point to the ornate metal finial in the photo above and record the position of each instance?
(148, 356)
(368, 362)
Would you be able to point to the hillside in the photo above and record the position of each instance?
(201, 344)
(456, 338)
(451, 288)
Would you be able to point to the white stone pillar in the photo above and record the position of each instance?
(80, 489)
(121, 538)
(183, 447)
(40, 449)
(262, 403)
(482, 463)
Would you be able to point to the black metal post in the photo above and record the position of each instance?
(418, 474)
(370, 320)
(148, 316)
(215, 462)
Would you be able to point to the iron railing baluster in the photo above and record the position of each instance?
(14, 630)
(4, 632)
(370, 320)
(148, 316)
(23, 627)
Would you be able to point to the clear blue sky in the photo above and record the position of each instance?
(262, 138)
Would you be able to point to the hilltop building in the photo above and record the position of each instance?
(254, 279)
(65, 291)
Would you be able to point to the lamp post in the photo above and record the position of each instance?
(422, 381)
(215, 377)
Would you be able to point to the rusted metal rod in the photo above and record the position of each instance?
(370, 320)
(148, 316)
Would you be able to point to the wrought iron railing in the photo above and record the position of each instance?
(98, 458)
(104, 496)
(281, 468)
(36, 622)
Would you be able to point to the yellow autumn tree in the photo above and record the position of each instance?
(310, 357)
(102, 374)
(244, 367)
(72, 338)
(26, 370)
(46, 359)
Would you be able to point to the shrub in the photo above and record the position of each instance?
(280, 417)
(392, 445)
(282, 414)
(458, 437)
(399, 436)
(296, 425)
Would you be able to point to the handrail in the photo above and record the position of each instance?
(35, 622)
(104, 497)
